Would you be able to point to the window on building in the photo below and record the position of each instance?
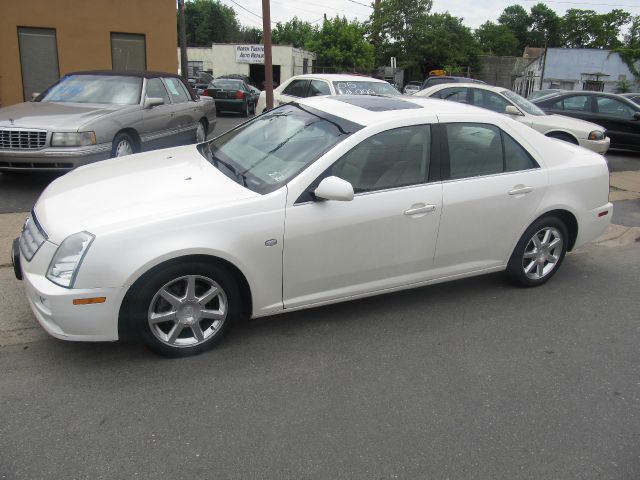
(195, 68)
(593, 86)
(128, 51)
(305, 65)
(38, 59)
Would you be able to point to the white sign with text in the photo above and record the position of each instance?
(250, 53)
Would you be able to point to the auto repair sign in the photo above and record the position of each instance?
(249, 53)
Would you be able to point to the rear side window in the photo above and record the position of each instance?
(297, 88)
(455, 94)
(482, 149)
(611, 106)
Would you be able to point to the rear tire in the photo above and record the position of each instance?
(201, 132)
(184, 309)
(539, 252)
(245, 110)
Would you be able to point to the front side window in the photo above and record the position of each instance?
(297, 88)
(391, 159)
(177, 90)
(489, 100)
(577, 103)
(268, 151)
(611, 106)
(155, 89)
(523, 103)
(481, 149)
(109, 89)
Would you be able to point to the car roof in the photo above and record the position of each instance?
(371, 109)
(482, 86)
(337, 77)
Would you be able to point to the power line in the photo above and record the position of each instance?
(363, 4)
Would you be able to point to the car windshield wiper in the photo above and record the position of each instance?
(240, 177)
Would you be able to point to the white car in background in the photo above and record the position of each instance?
(579, 132)
(316, 85)
(315, 202)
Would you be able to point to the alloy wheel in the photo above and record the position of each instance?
(187, 311)
(542, 253)
(123, 148)
(200, 133)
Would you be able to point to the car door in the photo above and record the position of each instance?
(185, 111)
(296, 89)
(618, 119)
(385, 237)
(489, 197)
(158, 130)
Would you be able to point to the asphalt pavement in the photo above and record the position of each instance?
(473, 379)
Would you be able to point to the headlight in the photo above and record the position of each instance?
(73, 139)
(596, 135)
(66, 262)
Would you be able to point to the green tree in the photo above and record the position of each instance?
(588, 29)
(209, 21)
(545, 27)
(342, 44)
(517, 19)
(295, 32)
(497, 39)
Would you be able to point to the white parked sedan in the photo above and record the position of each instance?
(317, 85)
(572, 130)
(315, 202)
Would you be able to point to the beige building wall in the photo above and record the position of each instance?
(83, 34)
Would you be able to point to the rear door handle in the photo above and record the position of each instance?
(520, 190)
(415, 209)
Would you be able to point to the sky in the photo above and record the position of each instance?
(474, 12)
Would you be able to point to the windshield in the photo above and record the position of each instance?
(110, 89)
(268, 151)
(524, 104)
(364, 88)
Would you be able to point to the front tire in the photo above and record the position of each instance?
(539, 252)
(122, 145)
(185, 309)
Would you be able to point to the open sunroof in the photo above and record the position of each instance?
(376, 104)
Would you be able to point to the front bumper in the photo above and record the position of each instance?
(53, 305)
(598, 146)
(52, 159)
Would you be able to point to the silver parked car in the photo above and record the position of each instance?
(95, 115)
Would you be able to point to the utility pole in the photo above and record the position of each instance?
(268, 65)
(183, 42)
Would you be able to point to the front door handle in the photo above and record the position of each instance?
(520, 190)
(418, 209)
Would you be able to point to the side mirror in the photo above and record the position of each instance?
(334, 188)
(636, 116)
(151, 102)
(34, 95)
(511, 110)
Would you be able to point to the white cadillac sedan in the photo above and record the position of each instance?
(315, 202)
(317, 85)
(572, 130)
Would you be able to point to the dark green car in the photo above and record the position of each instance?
(232, 96)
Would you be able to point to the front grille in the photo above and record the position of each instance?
(32, 237)
(21, 139)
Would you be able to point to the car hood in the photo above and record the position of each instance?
(54, 116)
(128, 191)
(580, 127)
